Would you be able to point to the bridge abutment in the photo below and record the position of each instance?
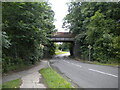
(76, 49)
(71, 49)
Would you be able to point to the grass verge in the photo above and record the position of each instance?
(98, 63)
(12, 84)
(53, 79)
(108, 64)
(60, 52)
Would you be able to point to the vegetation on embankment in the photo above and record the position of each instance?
(65, 46)
(26, 28)
(61, 48)
(96, 24)
(53, 79)
(12, 84)
(98, 63)
(58, 52)
(108, 64)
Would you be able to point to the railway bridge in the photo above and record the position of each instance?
(67, 37)
(62, 37)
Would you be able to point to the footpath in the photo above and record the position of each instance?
(31, 78)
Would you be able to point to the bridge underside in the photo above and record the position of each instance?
(67, 37)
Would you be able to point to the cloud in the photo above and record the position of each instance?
(60, 9)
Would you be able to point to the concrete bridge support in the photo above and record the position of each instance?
(71, 48)
(76, 49)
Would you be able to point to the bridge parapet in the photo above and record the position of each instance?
(62, 37)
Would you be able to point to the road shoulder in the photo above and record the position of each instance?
(63, 75)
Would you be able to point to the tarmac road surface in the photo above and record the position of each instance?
(86, 75)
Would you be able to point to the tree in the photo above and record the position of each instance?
(28, 25)
(96, 24)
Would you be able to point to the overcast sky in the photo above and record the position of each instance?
(60, 8)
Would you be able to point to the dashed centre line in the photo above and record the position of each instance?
(78, 65)
(73, 64)
(103, 72)
(93, 69)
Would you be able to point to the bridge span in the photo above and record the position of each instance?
(62, 37)
(67, 37)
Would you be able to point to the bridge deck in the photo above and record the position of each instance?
(62, 37)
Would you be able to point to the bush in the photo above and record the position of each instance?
(10, 64)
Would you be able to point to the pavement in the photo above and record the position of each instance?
(32, 81)
(86, 75)
(31, 78)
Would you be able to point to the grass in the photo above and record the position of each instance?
(12, 84)
(53, 79)
(99, 63)
(58, 52)
(109, 64)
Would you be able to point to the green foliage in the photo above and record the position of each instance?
(58, 52)
(49, 50)
(27, 27)
(96, 24)
(53, 79)
(64, 46)
(12, 64)
(12, 84)
(5, 41)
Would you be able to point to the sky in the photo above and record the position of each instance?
(60, 8)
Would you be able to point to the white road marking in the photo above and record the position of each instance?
(66, 61)
(73, 64)
(103, 72)
(78, 65)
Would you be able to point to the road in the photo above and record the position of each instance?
(86, 75)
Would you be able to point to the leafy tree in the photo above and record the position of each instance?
(28, 25)
(64, 46)
(96, 24)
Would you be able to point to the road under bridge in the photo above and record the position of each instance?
(67, 37)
